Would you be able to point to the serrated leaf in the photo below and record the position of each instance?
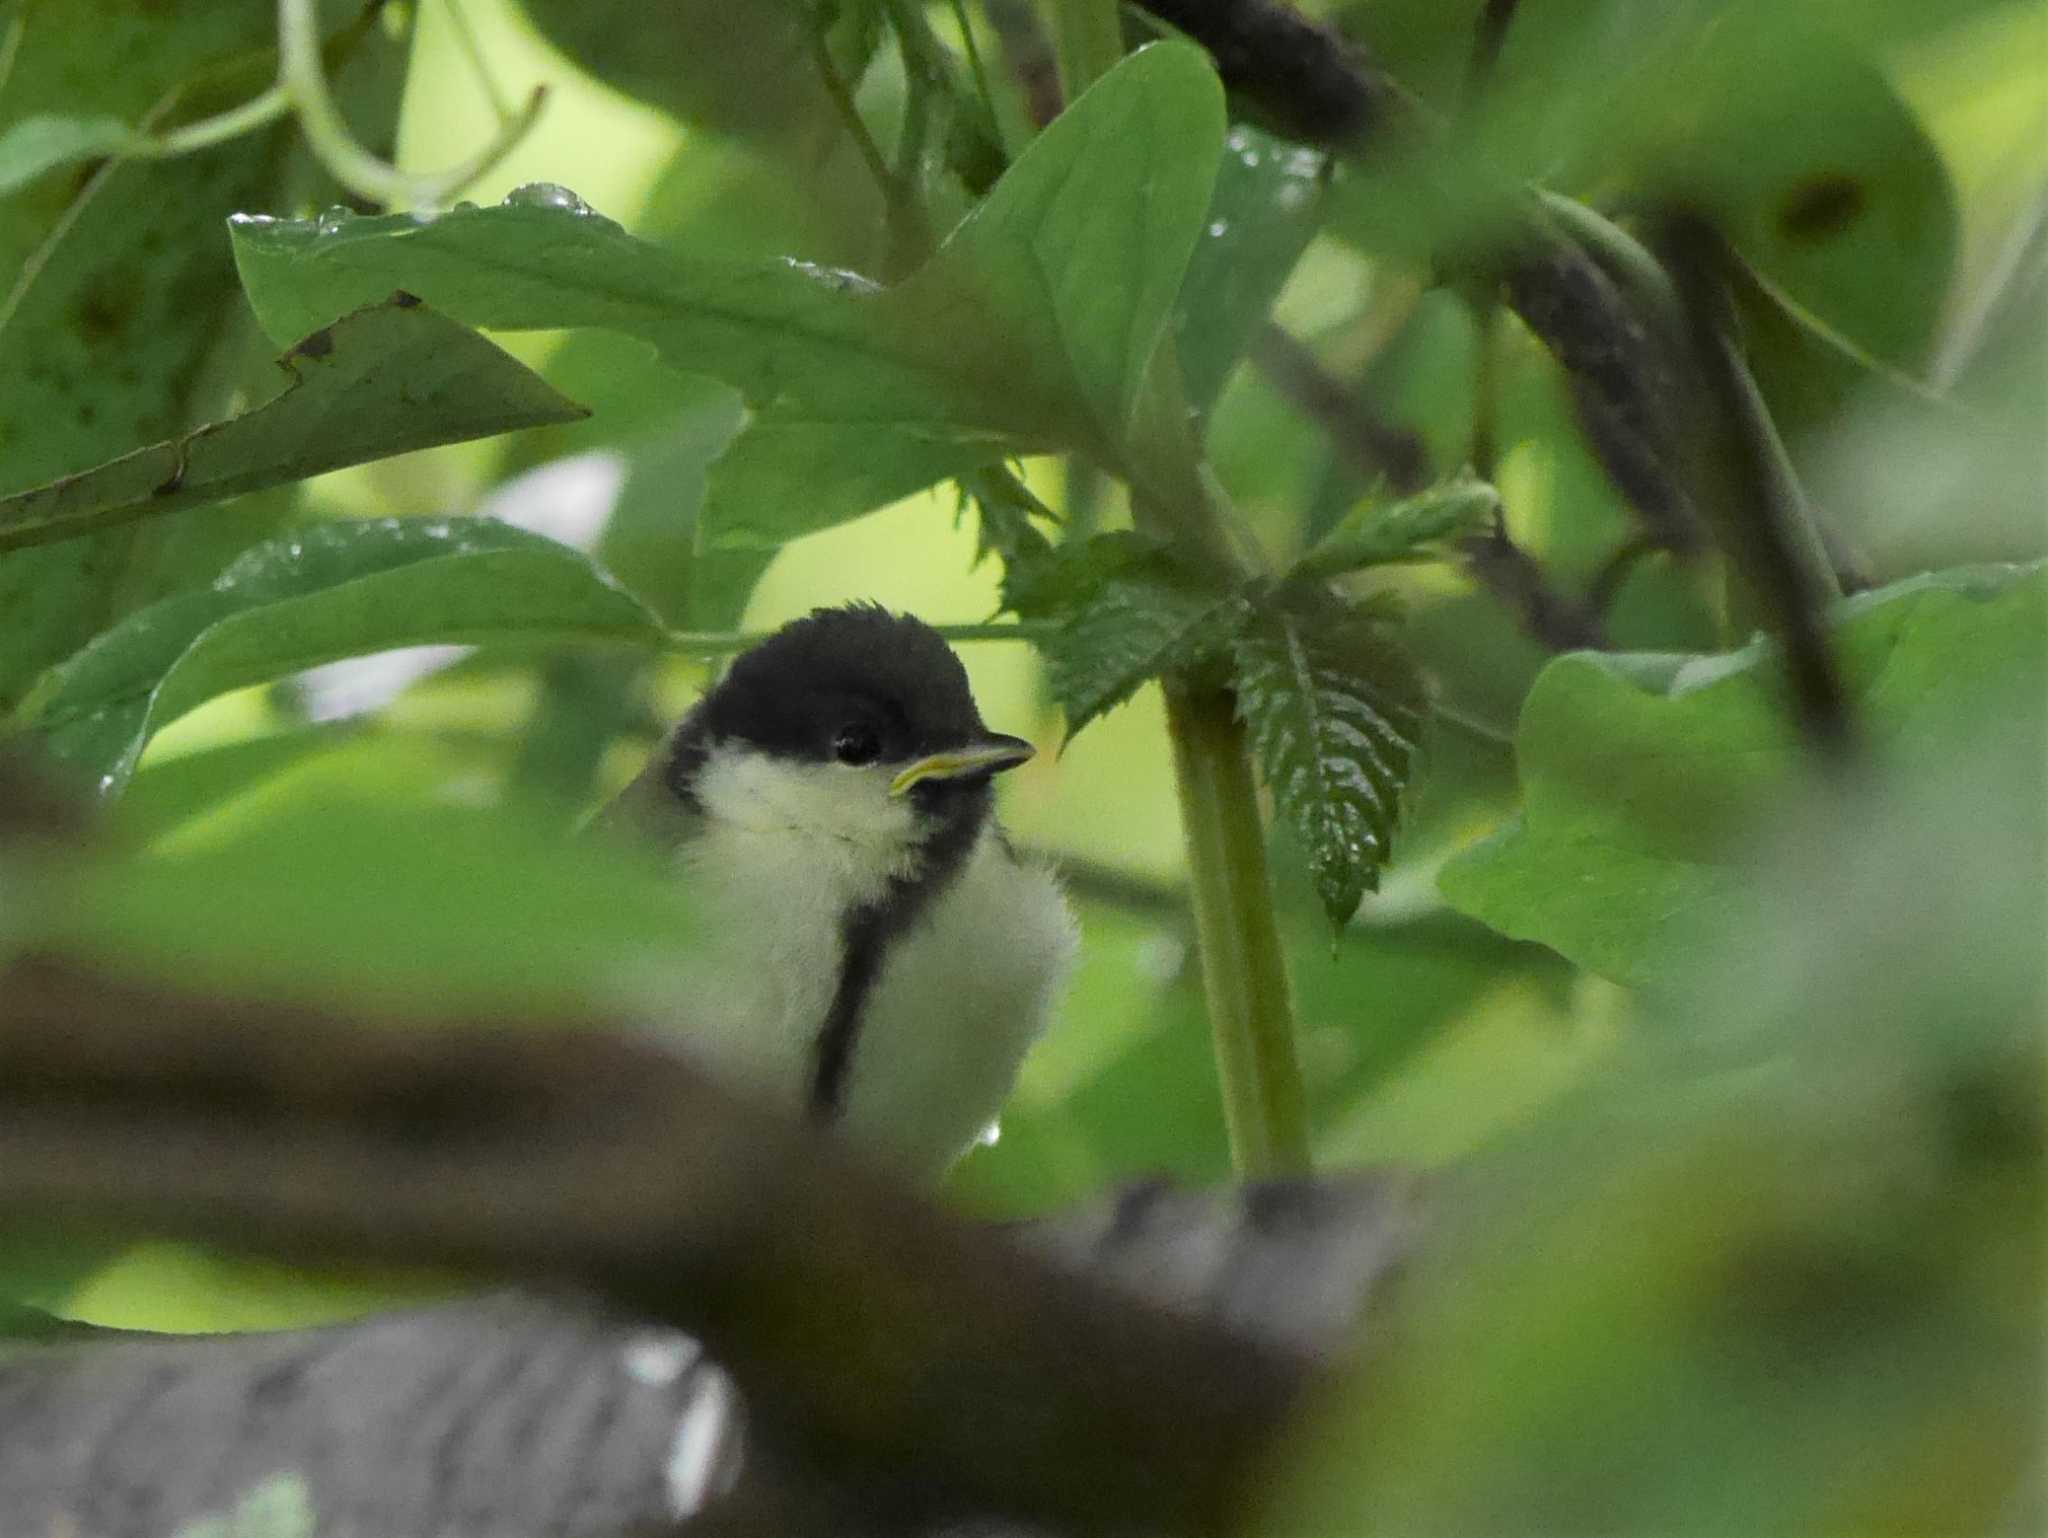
(1140, 622)
(1032, 328)
(1644, 777)
(1376, 535)
(319, 594)
(387, 379)
(1335, 714)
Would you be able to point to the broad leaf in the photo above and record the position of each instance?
(1127, 613)
(1644, 777)
(319, 594)
(1031, 329)
(385, 380)
(1263, 212)
(1335, 713)
(1375, 535)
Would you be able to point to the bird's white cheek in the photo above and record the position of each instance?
(852, 806)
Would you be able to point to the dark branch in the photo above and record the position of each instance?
(888, 1342)
(1761, 517)
(1303, 80)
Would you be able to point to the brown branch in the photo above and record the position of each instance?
(882, 1335)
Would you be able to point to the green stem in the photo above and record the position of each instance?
(1088, 39)
(1251, 1012)
(302, 75)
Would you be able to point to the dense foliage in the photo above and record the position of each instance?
(1480, 456)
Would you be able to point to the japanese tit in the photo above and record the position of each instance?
(870, 948)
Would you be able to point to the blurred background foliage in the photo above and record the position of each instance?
(1736, 1076)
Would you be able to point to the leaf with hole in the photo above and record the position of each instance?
(1335, 712)
(387, 379)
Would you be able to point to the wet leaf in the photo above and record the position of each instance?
(319, 594)
(1265, 209)
(1335, 713)
(1030, 330)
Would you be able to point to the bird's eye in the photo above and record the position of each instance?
(856, 744)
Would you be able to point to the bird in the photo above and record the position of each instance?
(869, 950)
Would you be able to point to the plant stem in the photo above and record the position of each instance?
(1088, 38)
(1251, 1012)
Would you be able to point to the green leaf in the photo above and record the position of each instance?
(1030, 330)
(422, 911)
(43, 142)
(323, 592)
(1375, 535)
(123, 323)
(1265, 209)
(1127, 613)
(1335, 713)
(1643, 776)
(385, 380)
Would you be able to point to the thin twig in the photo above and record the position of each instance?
(1374, 448)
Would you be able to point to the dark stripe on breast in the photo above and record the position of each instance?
(866, 934)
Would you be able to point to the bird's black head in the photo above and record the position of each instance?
(856, 686)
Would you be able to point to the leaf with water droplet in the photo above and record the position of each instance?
(1031, 329)
(321, 593)
(1336, 709)
(1263, 211)
(385, 380)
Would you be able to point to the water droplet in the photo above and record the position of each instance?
(834, 277)
(990, 1135)
(1250, 157)
(1218, 228)
(332, 220)
(106, 783)
(251, 219)
(546, 195)
(462, 206)
(1237, 139)
(1292, 195)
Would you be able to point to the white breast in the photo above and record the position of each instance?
(782, 855)
(962, 995)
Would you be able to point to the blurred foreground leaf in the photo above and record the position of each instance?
(1646, 778)
(417, 911)
(387, 379)
(1778, 1267)
(319, 594)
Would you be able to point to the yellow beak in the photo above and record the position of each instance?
(991, 755)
